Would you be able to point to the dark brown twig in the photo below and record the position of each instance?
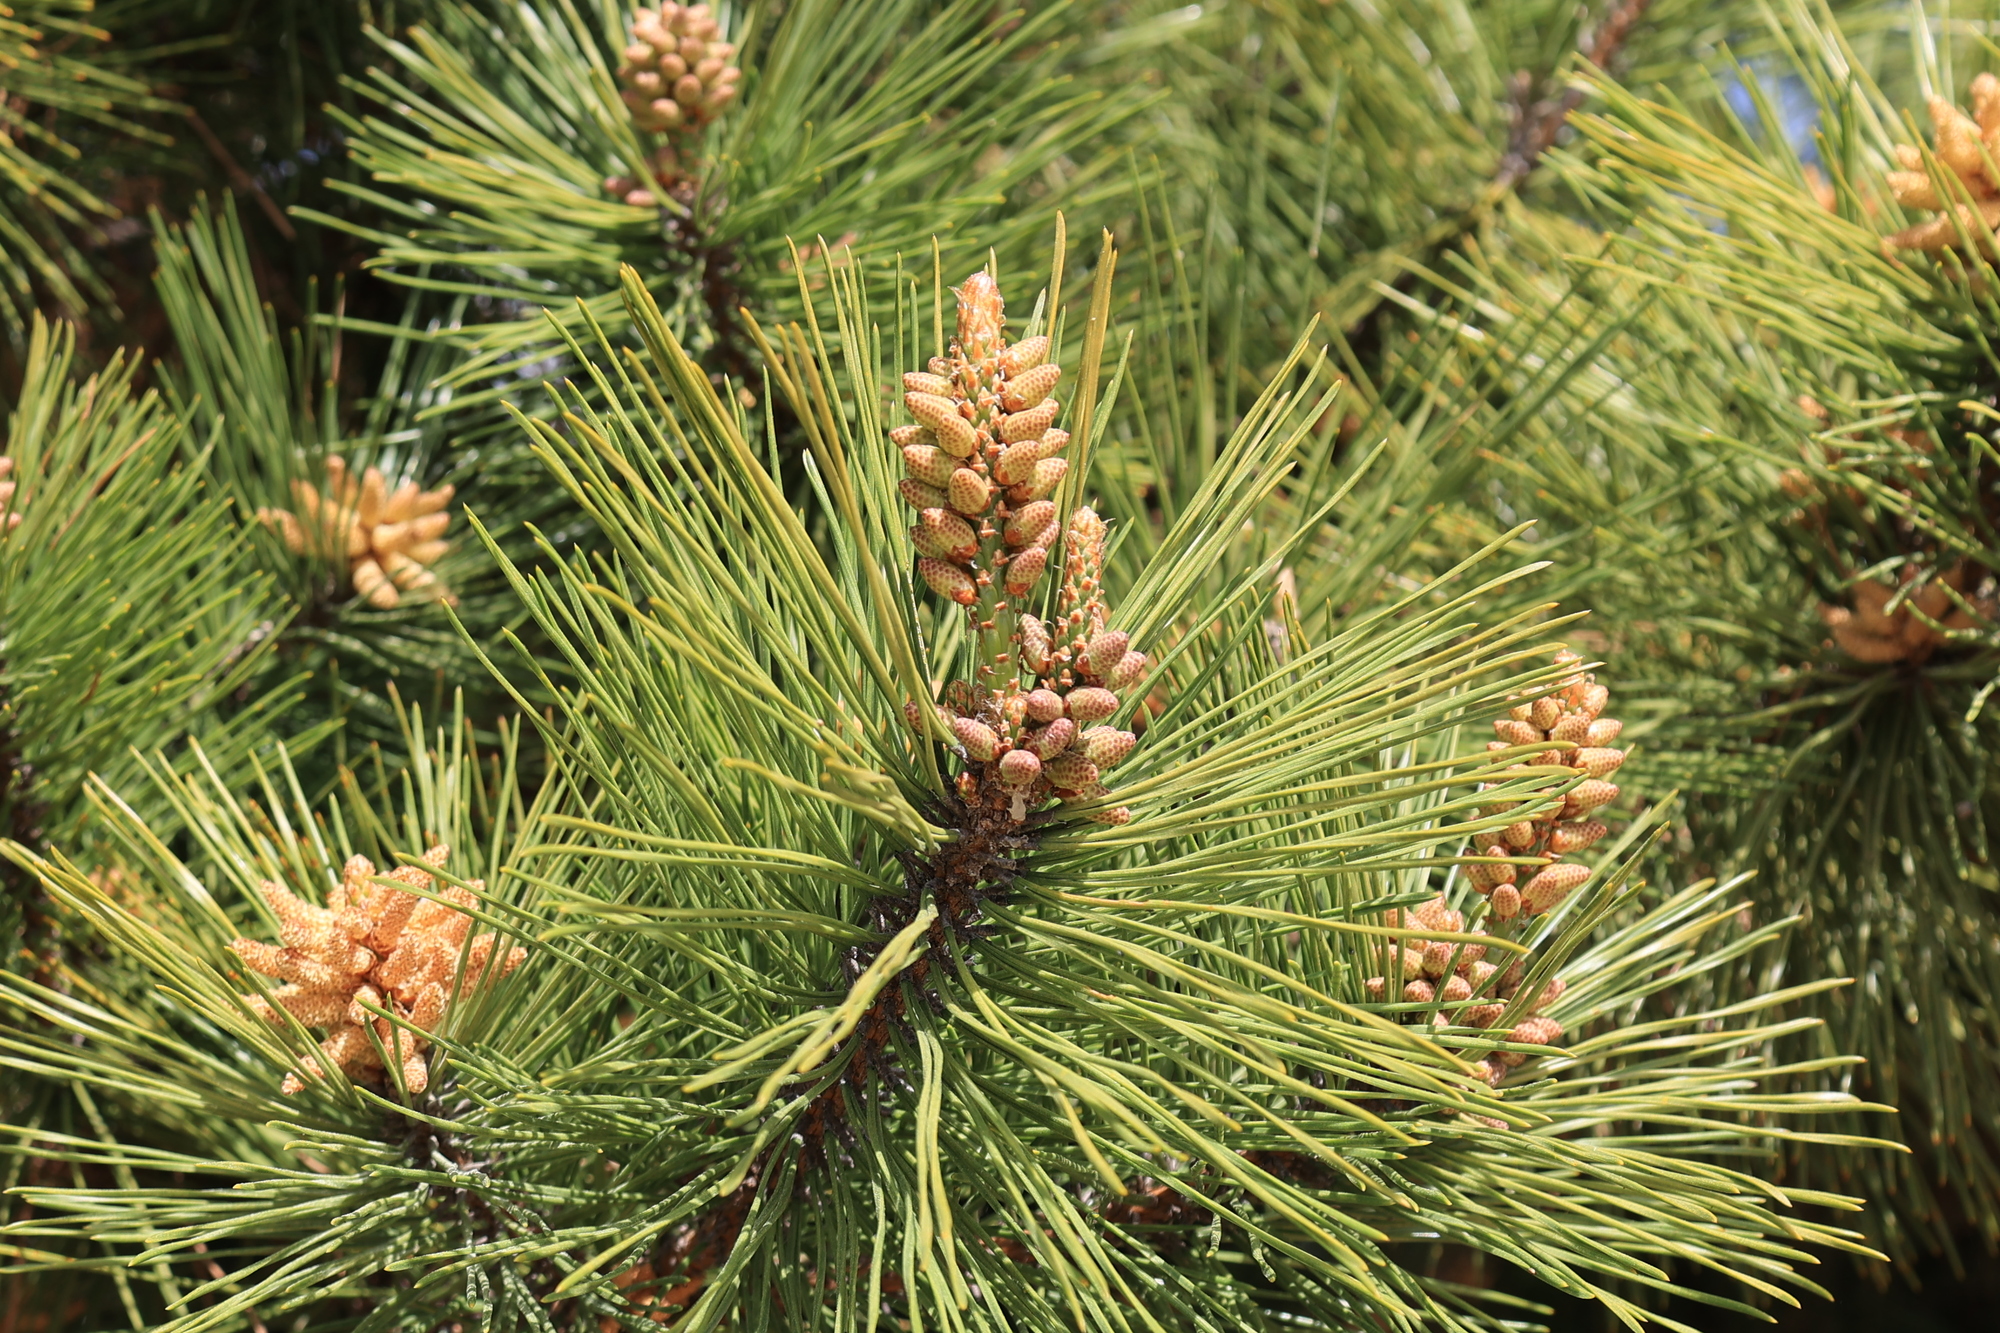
(1537, 124)
(1538, 121)
(241, 180)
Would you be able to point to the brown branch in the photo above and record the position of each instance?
(1536, 125)
(242, 180)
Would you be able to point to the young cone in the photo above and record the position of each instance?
(371, 945)
(1516, 893)
(988, 405)
(386, 540)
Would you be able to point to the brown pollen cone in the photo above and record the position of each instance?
(1471, 983)
(1461, 986)
(1572, 716)
(982, 462)
(1920, 623)
(676, 77)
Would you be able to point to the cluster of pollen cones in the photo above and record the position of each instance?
(1572, 718)
(1900, 622)
(1917, 625)
(1456, 976)
(675, 79)
(1969, 149)
(983, 463)
(388, 539)
(1452, 977)
(373, 945)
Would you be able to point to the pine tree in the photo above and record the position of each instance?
(357, 505)
(131, 611)
(134, 622)
(519, 155)
(623, 752)
(1325, 154)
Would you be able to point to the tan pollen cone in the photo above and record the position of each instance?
(372, 947)
(388, 539)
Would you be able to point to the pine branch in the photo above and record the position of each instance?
(122, 588)
(353, 503)
(804, 979)
(1815, 555)
(51, 90)
(500, 157)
